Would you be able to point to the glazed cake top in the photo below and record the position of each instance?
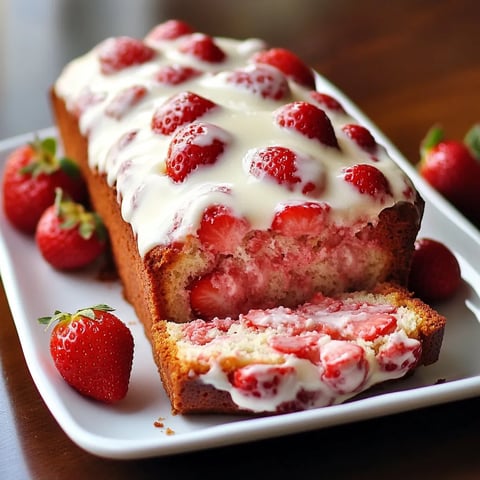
(179, 122)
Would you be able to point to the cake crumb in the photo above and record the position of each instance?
(158, 423)
(169, 431)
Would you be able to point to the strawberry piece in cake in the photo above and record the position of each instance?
(203, 47)
(118, 53)
(176, 74)
(183, 108)
(308, 120)
(124, 101)
(286, 167)
(169, 30)
(261, 80)
(288, 63)
(196, 144)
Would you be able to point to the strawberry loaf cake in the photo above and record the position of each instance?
(231, 181)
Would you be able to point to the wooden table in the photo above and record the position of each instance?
(408, 65)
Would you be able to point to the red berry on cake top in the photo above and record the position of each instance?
(118, 53)
(124, 100)
(368, 180)
(288, 63)
(361, 136)
(323, 100)
(203, 47)
(185, 107)
(295, 171)
(308, 218)
(308, 120)
(86, 99)
(176, 74)
(170, 30)
(261, 80)
(193, 145)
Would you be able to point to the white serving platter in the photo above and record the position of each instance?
(127, 430)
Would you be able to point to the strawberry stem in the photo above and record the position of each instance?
(60, 316)
(472, 140)
(433, 137)
(46, 160)
(75, 215)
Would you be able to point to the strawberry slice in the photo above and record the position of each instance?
(220, 230)
(345, 366)
(399, 353)
(307, 218)
(207, 299)
(124, 101)
(194, 145)
(288, 63)
(361, 136)
(217, 295)
(302, 346)
(261, 80)
(261, 381)
(182, 108)
(201, 332)
(308, 120)
(118, 53)
(203, 48)
(324, 100)
(368, 180)
(169, 30)
(280, 317)
(285, 166)
(372, 326)
(176, 74)
(86, 99)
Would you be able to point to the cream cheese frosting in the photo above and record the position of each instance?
(133, 156)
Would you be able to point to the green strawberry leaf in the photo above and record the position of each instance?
(60, 316)
(433, 137)
(49, 146)
(472, 140)
(69, 167)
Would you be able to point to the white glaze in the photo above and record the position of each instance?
(150, 200)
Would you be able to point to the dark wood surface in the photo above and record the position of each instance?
(407, 65)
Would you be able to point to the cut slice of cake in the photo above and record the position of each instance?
(279, 360)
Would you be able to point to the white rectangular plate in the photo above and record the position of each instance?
(127, 430)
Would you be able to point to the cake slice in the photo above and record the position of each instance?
(280, 360)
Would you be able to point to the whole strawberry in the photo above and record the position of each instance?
(32, 173)
(68, 236)
(435, 272)
(453, 168)
(93, 351)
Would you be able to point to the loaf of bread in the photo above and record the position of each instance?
(279, 360)
(230, 178)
